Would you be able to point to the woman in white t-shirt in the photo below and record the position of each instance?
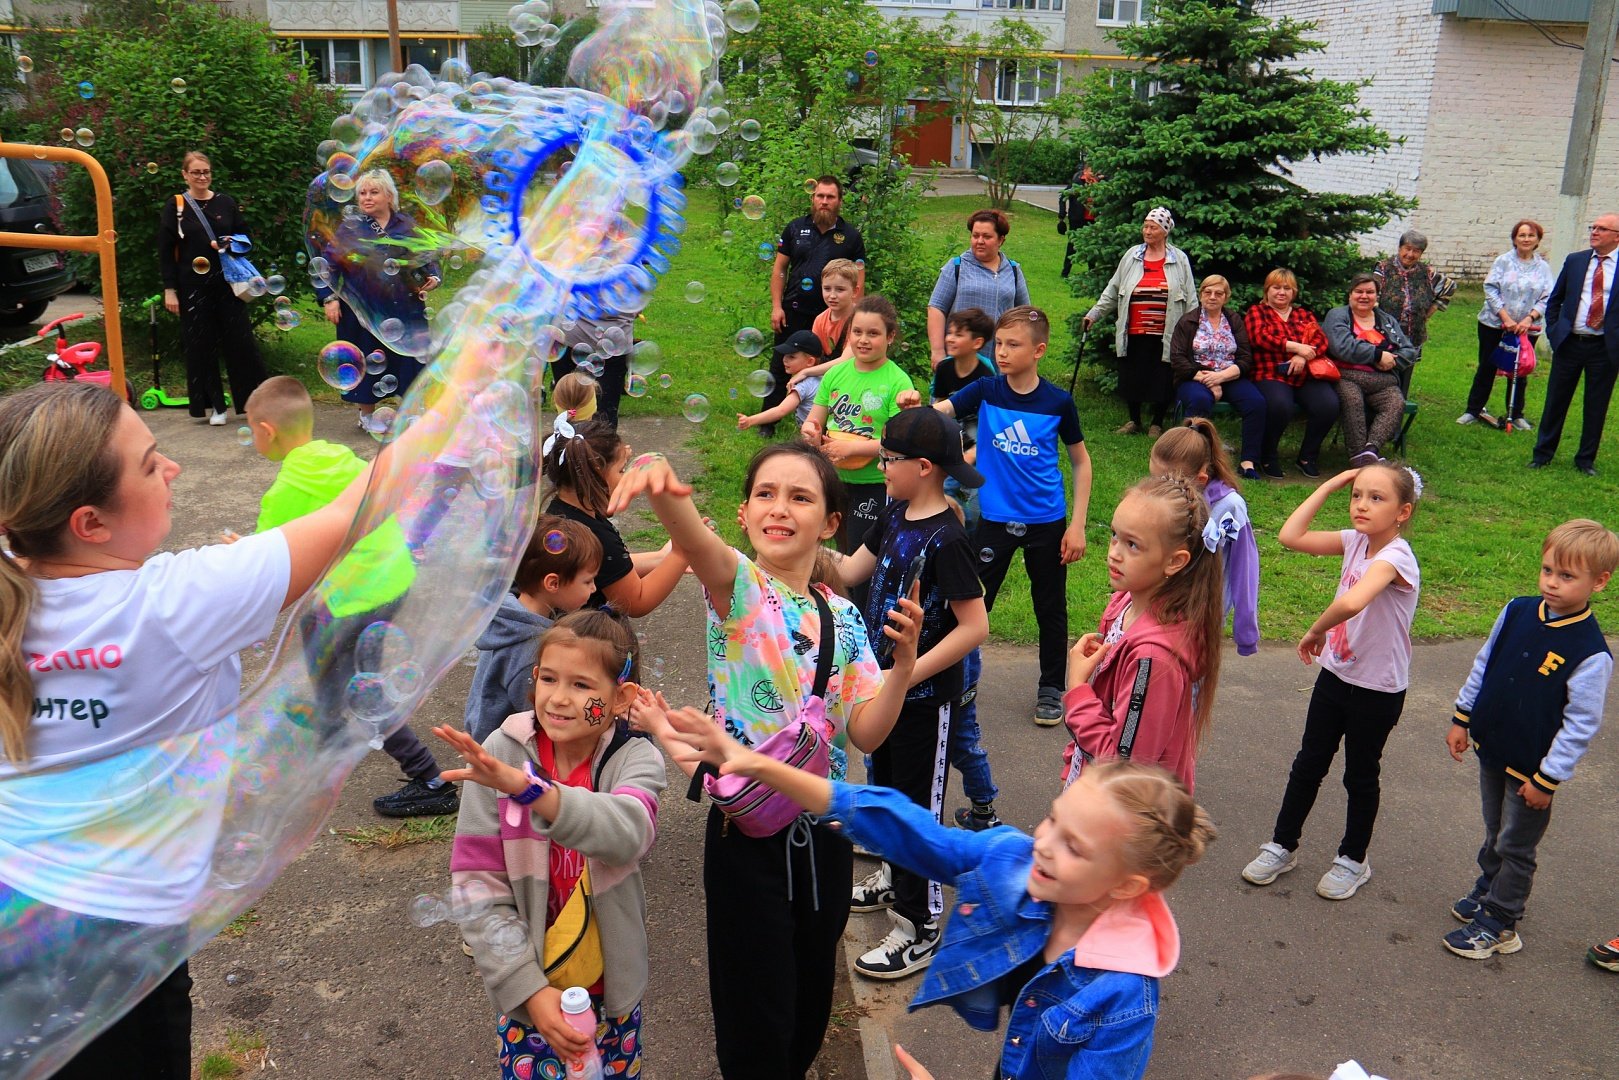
(118, 679)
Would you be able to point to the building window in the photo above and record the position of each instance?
(1018, 82)
(334, 62)
(430, 53)
(1023, 5)
(1121, 12)
(1144, 89)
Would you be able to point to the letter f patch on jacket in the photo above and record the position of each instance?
(1551, 663)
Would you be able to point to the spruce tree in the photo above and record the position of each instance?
(1232, 111)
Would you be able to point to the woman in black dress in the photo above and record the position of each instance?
(213, 322)
(394, 282)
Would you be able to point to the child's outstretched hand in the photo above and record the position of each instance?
(1456, 741)
(649, 474)
(694, 736)
(1311, 643)
(545, 1010)
(649, 712)
(1084, 658)
(913, 1069)
(812, 432)
(482, 767)
(908, 399)
(743, 421)
(905, 627)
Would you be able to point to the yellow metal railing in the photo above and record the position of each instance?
(101, 244)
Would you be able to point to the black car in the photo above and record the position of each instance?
(29, 277)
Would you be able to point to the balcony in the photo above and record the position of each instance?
(359, 16)
(1546, 11)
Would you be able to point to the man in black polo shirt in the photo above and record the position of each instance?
(807, 244)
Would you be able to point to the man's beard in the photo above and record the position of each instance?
(824, 219)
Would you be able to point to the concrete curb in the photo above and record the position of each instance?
(874, 1043)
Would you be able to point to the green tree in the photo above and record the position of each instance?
(245, 100)
(1234, 109)
(496, 52)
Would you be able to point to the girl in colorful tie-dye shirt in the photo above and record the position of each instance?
(783, 897)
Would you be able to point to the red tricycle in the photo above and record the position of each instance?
(73, 361)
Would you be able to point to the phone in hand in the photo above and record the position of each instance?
(913, 574)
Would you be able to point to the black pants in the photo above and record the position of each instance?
(914, 760)
(214, 324)
(1478, 396)
(776, 915)
(1361, 719)
(1320, 404)
(150, 1042)
(1579, 355)
(1144, 377)
(1048, 586)
(609, 384)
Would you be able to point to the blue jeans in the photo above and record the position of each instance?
(966, 750)
(1512, 831)
(1197, 400)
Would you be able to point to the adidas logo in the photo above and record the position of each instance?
(1015, 441)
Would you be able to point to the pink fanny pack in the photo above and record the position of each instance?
(805, 743)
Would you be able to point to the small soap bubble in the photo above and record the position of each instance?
(750, 130)
(986, 555)
(507, 938)
(556, 542)
(87, 90)
(178, 85)
(257, 287)
(809, 185)
(427, 910)
(385, 385)
(456, 262)
(404, 682)
(469, 900)
(390, 267)
(1016, 528)
(767, 251)
(742, 15)
(750, 342)
(237, 858)
(759, 383)
(806, 284)
(646, 357)
(320, 271)
(727, 173)
(695, 292)
(753, 207)
(871, 57)
(391, 330)
(66, 134)
(84, 137)
(657, 668)
(666, 380)
(287, 318)
(376, 362)
(726, 235)
(25, 64)
(364, 698)
(731, 393)
(201, 265)
(433, 182)
(301, 259)
(695, 408)
(244, 435)
(151, 166)
(275, 284)
(341, 365)
(635, 385)
(382, 422)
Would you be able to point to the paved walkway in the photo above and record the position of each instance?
(960, 183)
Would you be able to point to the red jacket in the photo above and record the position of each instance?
(1095, 712)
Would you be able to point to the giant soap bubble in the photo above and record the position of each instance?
(446, 515)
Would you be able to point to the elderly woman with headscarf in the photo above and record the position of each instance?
(1411, 290)
(1154, 285)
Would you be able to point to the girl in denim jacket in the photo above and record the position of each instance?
(1067, 928)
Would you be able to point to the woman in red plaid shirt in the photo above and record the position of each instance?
(1283, 337)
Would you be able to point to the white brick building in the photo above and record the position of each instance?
(1483, 103)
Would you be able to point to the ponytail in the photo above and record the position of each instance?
(1195, 448)
(576, 458)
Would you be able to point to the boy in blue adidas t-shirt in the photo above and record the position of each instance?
(1530, 707)
(1022, 419)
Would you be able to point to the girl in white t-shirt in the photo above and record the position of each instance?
(1363, 641)
(116, 669)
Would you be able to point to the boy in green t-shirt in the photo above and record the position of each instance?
(855, 400)
(360, 590)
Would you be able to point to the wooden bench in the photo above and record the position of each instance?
(1223, 410)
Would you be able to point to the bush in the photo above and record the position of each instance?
(247, 103)
(1044, 161)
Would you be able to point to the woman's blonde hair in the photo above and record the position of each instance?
(383, 180)
(1214, 279)
(575, 393)
(1170, 832)
(54, 458)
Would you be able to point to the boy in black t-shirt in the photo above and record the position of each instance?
(965, 336)
(917, 540)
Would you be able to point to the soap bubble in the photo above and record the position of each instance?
(635, 385)
(301, 259)
(385, 385)
(726, 236)
(433, 182)
(742, 15)
(731, 393)
(84, 137)
(382, 421)
(507, 938)
(556, 542)
(341, 365)
(87, 90)
(244, 435)
(727, 173)
(257, 286)
(753, 207)
(405, 681)
(25, 64)
(695, 408)
(376, 362)
(151, 166)
(759, 383)
(871, 57)
(287, 318)
(428, 910)
(750, 342)
(469, 900)
(666, 380)
(275, 284)
(807, 284)
(646, 357)
(66, 135)
(695, 291)
(749, 130)
(391, 330)
(201, 265)
(986, 555)
(767, 251)
(391, 268)
(178, 85)
(237, 859)
(1016, 528)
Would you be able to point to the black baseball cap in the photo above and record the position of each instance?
(923, 432)
(804, 341)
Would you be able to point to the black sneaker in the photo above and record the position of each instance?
(1048, 708)
(976, 820)
(1272, 469)
(416, 799)
(1309, 468)
(874, 892)
(907, 949)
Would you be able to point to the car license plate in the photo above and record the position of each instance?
(35, 263)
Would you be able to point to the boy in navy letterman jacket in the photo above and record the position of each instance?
(1530, 707)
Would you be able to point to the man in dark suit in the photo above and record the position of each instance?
(1584, 332)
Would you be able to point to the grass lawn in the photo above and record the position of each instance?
(1477, 532)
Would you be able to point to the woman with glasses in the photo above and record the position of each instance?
(213, 322)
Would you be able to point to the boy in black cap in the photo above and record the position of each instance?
(918, 543)
(802, 349)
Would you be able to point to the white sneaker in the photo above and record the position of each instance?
(1343, 878)
(1272, 862)
(217, 420)
(1467, 418)
(907, 949)
(1521, 424)
(874, 892)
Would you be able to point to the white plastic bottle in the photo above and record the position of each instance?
(579, 1015)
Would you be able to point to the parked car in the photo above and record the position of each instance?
(29, 277)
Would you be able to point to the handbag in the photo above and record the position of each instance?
(1321, 367)
(239, 272)
(573, 947)
(756, 808)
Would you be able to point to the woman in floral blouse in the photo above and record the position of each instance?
(1410, 289)
(1284, 338)
(1515, 294)
(1210, 361)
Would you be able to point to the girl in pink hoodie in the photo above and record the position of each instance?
(1130, 686)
